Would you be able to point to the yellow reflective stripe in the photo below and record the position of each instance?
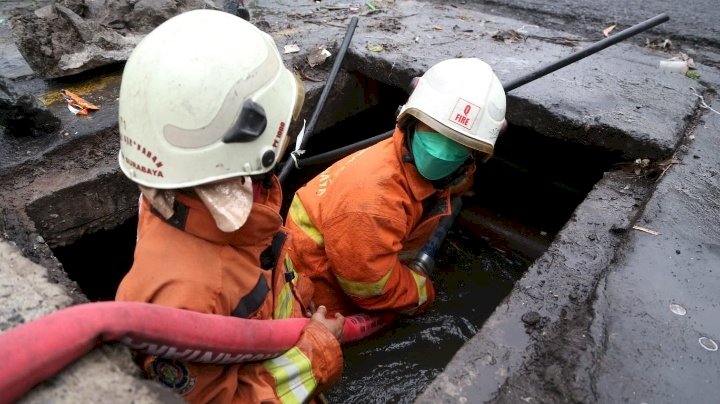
(290, 266)
(301, 218)
(284, 305)
(294, 380)
(364, 289)
(420, 282)
(283, 308)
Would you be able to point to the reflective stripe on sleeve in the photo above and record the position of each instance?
(294, 380)
(364, 289)
(301, 218)
(420, 282)
(284, 305)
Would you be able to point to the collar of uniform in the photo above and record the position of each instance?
(259, 229)
(419, 186)
(269, 197)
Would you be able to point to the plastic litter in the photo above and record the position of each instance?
(292, 48)
(677, 309)
(318, 56)
(681, 63)
(76, 104)
(708, 344)
(675, 66)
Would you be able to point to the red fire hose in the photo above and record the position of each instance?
(34, 352)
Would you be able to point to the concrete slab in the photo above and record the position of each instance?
(657, 317)
(105, 375)
(594, 319)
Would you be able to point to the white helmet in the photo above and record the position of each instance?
(461, 99)
(204, 97)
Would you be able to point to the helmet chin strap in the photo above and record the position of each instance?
(266, 178)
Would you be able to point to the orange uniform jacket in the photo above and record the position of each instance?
(186, 262)
(354, 225)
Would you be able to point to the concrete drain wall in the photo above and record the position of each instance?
(521, 200)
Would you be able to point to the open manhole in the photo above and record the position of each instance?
(522, 198)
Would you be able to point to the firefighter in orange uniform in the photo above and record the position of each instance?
(205, 103)
(357, 226)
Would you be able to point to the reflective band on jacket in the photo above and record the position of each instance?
(300, 216)
(294, 380)
(284, 305)
(364, 289)
(421, 287)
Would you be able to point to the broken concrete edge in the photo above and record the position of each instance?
(18, 231)
(592, 125)
(59, 41)
(83, 169)
(513, 358)
(494, 362)
(106, 374)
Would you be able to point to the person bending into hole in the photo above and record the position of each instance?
(357, 226)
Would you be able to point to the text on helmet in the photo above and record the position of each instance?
(465, 113)
(146, 152)
(143, 169)
(278, 135)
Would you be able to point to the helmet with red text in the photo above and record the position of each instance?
(204, 97)
(461, 99)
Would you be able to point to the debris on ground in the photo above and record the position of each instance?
(76, 104)
(557, 40)
(704, 104)
(375, 47)
(681, 63)
(509, 36)
(606, 31)
(388, 24)
(318, 56)
(646, 230)
(292, 48)
(643, 167)
(659, 44)
(693, 74)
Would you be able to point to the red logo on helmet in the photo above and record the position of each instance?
(278, 135)
(464, 113)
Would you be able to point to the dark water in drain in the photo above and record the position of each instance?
(396, 365)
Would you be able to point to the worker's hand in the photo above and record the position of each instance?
(334, 325)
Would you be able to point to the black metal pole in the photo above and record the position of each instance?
(581, 54)
(289, 163)
(513, 84)
(342, 151)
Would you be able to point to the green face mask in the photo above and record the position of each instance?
(436, 156)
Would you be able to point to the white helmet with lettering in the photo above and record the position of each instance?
(461, 99)
(204, 97)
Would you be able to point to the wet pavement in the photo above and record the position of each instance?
(658, 310)
(622, 306)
